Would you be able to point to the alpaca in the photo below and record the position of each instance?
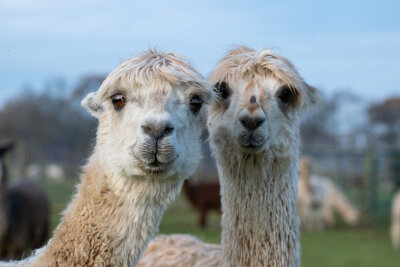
(319, 199)
(254, 134)
(24, 210)
(335, 201)
(148, 141)
(309, 200)
(204, 196)
(395, 228)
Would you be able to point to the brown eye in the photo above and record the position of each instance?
(195, 104)
(222, 90)
(285, 95)
(118, 101)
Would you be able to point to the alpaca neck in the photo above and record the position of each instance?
(260, 225)
(109, 223)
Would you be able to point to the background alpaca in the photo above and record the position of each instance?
(148, 141)
(204, 196)
(202, 190)
(310, 199)
(319, 199)
(254, 136)
(395, 228)
(335, 201)
(24, 214)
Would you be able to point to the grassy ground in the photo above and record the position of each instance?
(366, 246)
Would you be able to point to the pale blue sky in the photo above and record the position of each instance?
(334, 44)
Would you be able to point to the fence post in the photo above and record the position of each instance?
(394, 167)
(371, 177)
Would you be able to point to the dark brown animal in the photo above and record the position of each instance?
(204, 196)
(24, 214)
(203, 192)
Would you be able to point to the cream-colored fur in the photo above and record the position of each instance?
(132, 175)
(310, 199)
(260, 226)
(395, 228)
(181, 250)
(335, 200)
(318, 200)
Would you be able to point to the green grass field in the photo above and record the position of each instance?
(368, 246)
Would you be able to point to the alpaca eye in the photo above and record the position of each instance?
(222, 89)
(285, 95)
(118, 101)
(195, 104)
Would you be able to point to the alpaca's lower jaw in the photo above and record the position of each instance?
(250, 143)
(159, 164)
(156, 167)
(252, 147)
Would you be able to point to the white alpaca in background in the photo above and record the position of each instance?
(254, 134)
(318, 200)
(310, 199)
(148, 141)
(335, 200)
(395, 228)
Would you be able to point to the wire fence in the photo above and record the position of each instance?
(369, 177)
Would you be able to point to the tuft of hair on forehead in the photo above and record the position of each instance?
(154, 66)
(243, 62)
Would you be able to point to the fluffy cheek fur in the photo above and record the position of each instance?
(115, 136)
(220, 133)
(189, 149)
(284, 134)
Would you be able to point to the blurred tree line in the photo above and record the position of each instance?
(51, 126)
(377, 124)
(385, 121)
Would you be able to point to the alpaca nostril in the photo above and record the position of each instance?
(251, 123)
(259, 122)
(158, 131)
(167, 131)
(147, 130)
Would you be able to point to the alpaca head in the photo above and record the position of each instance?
(151, 112)
(261, 97)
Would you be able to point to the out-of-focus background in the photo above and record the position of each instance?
(53, 53)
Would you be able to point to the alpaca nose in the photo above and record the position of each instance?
(157, 129)
(251, 123)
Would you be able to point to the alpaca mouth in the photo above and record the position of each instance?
(158, 163)
(251, 142)
(154, 159)
(155, 167)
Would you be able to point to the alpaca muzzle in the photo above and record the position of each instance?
(155, 154)
(252, 127)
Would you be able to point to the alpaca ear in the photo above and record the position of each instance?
(313, 95)
(93, 105)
